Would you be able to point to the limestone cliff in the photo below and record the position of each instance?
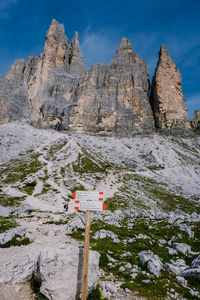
(167, 100)
(55, 90)
(196, 120)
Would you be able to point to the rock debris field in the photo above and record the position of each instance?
(146, 245)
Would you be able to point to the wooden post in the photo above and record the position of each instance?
(86, 256)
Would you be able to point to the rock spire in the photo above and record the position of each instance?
(76, 61)
(196, 120)
(167, 100)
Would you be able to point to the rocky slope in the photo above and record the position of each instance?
(55, 90)
(148, 238)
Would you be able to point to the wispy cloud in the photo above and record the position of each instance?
(6, 7)
(98, 47)
(193, 102)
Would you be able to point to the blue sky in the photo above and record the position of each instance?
(101, 25)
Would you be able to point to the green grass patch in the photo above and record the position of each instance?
(95, 294)
(16, 241)
(6, 200)
(35, 286)
(170, 202)
(7, 224)
(20, 169)
(152, 231)
(29, 187)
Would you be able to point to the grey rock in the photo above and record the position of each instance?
(172, 251)
(102, 234)
(5, 211)
(184, 227)
(76, 222)
(194, 270)
(173, 269)
(57, 270)
(18, 232)
(181, 280)
(181, 247)
(153, 261)
(194, 293)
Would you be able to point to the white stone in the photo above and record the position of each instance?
(181, 247)
(122, 269)
(153, 261)
(181, 280)
(126, 254)
(174, 269)
(172, 251)
(19, 231)
(60, 272)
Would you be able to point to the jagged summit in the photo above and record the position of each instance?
(57, 31)
(167, 100)
(124, 45)
(56, 90)
(76, 60)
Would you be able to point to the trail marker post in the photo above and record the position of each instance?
(86, 257)
(87, 201)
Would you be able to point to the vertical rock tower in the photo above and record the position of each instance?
(167, 100)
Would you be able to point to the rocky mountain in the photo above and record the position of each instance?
(56, 90)
(167, 100)
(145, 245)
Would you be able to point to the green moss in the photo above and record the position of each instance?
(16, 242)
(46, 188)
(152, 189)
(169, 201)
(29, 187)
(51, 152)
(20, 169)
(6, 224)
(95, 294)
(85, 164)
(154, 230)
(157, 288)
(158, 167)
(6, 200)
(35, 286)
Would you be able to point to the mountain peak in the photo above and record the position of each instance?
(57, 31)
(124, 45)
(76, 61)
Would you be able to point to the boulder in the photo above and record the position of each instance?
(181, 247)
(102, 234)
(60, 270)
(19, 233)
(153, 261)
(194, 270)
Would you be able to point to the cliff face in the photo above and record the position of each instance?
(55, 90)
(167, 100)
(196, 120)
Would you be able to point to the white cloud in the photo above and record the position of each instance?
(97, 47)
(193, 102)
